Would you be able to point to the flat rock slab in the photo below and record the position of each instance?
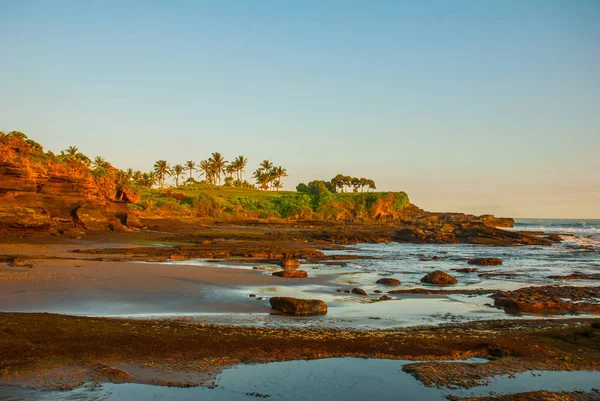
(298, 307)
(549, 299)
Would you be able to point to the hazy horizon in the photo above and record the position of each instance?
(475, 107)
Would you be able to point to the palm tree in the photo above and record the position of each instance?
(99, 162)
(265, 166)
(161, 168)
(229, 170)
(278, 173)
(177, 171)
(72, 150)
(218, 165)
(206, 168)
(262, 178)
(191, 166)
(240, 163)
(371, 185)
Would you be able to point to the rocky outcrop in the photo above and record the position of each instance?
(388, 281)
(439, 277)
(133, 221)
(298, 307)
(24, 217)
(485, 261)
(30, 200)
(549, 299)
(291, 274)
(90, 218)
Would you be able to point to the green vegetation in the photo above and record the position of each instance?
(207, 200)
(236, 198)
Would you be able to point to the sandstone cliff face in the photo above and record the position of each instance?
(28, 200)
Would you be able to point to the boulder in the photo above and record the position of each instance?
(359, 291)
(91, 218)
(485, 261)
(385, 298)
(289, 263)
(133, 221)
(298, 307)
(388, 281)
(291, 274)
(24, 217)
(438, 277)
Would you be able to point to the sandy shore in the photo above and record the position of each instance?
(54, 285)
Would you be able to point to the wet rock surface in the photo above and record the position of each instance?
(388, 281)
(549, 299)
(577, 276)
(359, 291)
(541, 395)
(485, 261)
(439, 277)
(298, 307)
(291, 274)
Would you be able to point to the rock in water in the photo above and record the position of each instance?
(298, 307)
(388, 281)
(359, 291)
(288, 263)
(485, 261)
(291, 274)
(438, 277)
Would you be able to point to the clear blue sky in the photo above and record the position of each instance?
(476, 106)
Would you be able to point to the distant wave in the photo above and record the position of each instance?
(558, 229)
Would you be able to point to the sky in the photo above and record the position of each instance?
(478, 106)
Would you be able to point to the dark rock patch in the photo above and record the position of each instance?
(291, 274)
(388, 281)
(439, 277)
(359, 291)
(485, 261)
(298, 307)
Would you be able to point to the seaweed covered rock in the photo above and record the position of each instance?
(298, 307)
(439, 277)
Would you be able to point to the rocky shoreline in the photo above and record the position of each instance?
(57, 351)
